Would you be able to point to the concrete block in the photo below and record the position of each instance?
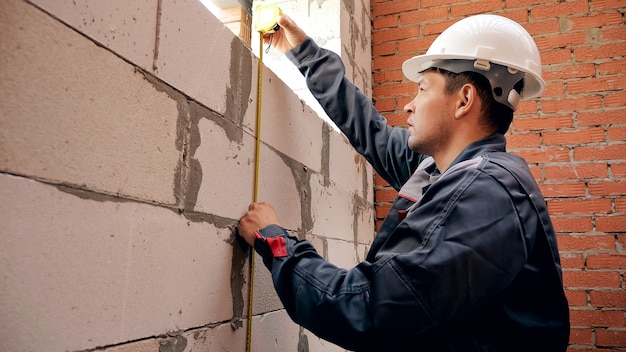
(288, 125)
(218, 338)
(226, 158)
(126, 28)
(74, 113)
(332, 210)
(318, 345)
(342, 253)
(150, 345)
(205, 60)
(347, 167)
(285, 183)
(273, 332)
(339, 214)
(264, 295)
(90, 270)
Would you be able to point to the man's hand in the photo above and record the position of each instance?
(258, 216)
(287, 37)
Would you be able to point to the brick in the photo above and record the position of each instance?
(437, 28)
(525, 3)
(392, 7)
(611, 337)
(615, 99)
(606, 261)
(384, 105)
(603, 5)
(594, 20)
(607, 152)
(580, 136)
(597, 279)
(612, 67)
(415, 46)
(611, 34)
(611, 223)
(576, 298)
(560, 9)
(379, 181)
(571, 104)
(607, 188)
(618, 169)
(392, 34)
(385, 22)
(475, 8)
(556, 56)
(615, 299)
(522, 140)
(561, 40)
(606, 51)
(568, 189)
(385, 195)
(383, 49)
(579, 206)
(432, 3)
(589, 85)
(586, 242)
(536, 123)
(580, 336)
(578, 224)
(598, 118)
(543, 155)
(382, 210)
(423, 15)
(620, 205)
(579, 170)
(616, 134)
(397, 119)
(569, 71)
(537, 28)
(572, 262)
(384, 62)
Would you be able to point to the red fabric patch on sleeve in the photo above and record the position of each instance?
(278, 246)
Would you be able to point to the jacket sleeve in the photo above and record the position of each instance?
(440, 263)
(383, 146)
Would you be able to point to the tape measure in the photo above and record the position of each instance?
(265, 18)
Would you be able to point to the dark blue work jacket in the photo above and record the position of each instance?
(465, 261)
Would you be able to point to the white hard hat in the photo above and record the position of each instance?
(483, 40)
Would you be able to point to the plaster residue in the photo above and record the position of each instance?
(302, 179)
(238, 94)
(173, 344)
(325, 162)
(237, 278)
(303, 341)
(183, 133)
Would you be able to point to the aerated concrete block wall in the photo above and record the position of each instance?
(127, 156)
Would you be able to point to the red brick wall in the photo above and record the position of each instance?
(573, 137)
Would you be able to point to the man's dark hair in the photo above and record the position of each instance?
(498, 116)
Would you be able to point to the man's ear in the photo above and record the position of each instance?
(467, 99)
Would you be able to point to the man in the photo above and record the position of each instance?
(466, 259)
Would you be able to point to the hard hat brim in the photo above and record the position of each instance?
(413, 67)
